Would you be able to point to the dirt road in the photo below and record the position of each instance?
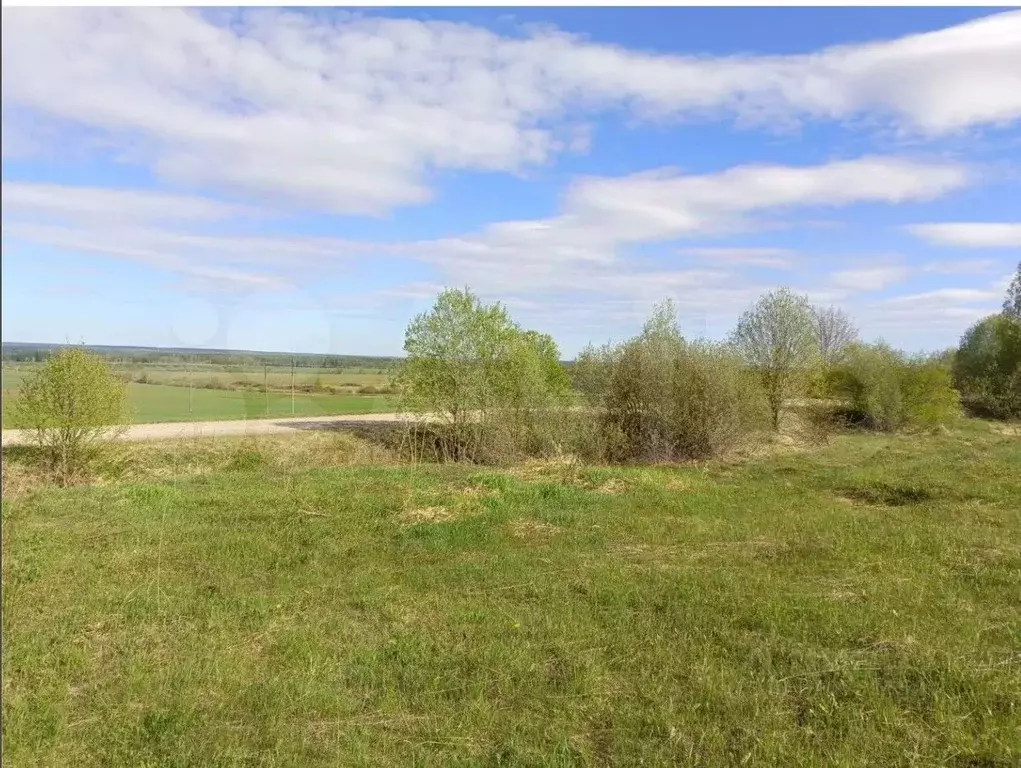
(237, 427)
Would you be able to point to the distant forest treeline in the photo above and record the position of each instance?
(26, 352)
(23, 352)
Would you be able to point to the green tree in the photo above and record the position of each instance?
(475, 370)
(777, 338)
(987, 366)
(73, 403)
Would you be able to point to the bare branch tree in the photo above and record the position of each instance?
(777, 339)
(1012, 304)
(834, 331)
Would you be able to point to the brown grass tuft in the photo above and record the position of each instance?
(613, 486)
(424, 515)
(165, 459)
(532, 531)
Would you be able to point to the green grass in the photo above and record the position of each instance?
(150, 403)
(233, 377)
(12, 378)
(857, 606)
(241, 378)
(155, 403)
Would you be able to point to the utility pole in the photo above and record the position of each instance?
(190, 381)
(265, 385)
(292, 385)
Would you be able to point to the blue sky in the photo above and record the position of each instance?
(271, 179)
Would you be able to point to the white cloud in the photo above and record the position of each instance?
(938, 310)
(582, 249)
(970, 234)
(942, 296)
(90, 203)
(924, 320)
(771, 258)
(934, 83)
(352, 114)
(961, 267)
(602, 216)
(869, 278)
(154, 248)
(575, 268)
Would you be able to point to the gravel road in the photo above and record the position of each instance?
(137, 432)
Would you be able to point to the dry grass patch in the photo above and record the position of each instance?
(423, 515)
(1010, 430)
(846, 593)
(657, 555)
(613, 486)
(759, 547)
(561, 467)
(166, 459)
(680, 484)
(532, 531)
(667, 556)
(477, 492)
(990, 556)
(19, 479)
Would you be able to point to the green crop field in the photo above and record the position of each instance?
(153, 403)
(274, 378)
(854, 605)
(12, 378)
(234, 377)
(150, 403)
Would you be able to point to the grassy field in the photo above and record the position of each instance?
(150, 403)
(859, 605)
(230, 378)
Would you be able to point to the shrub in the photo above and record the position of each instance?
(819, 380)
(930, 399)
(73, 403)
(887, 391)
(590, 373)
(665, 399)
(869, 382)
(987, 367)
(718, 404)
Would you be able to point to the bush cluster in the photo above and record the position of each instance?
(486, 390)
(987, 367)
(498, 393)
(886, 390)
(657, 397)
